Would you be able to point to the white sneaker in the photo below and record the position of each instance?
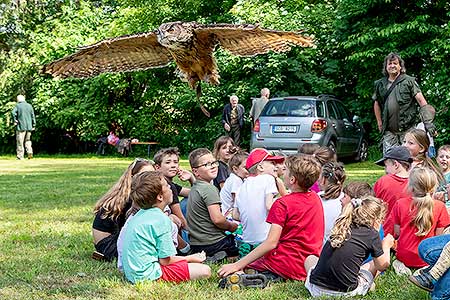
(400, 268)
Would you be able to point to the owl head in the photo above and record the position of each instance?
(175, 35)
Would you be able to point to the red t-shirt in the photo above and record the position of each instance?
(390, 188)
(402, 214)
(301, 216)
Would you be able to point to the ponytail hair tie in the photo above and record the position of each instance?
(356, 202)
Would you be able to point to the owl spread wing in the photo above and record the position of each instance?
(126, 53)
(250, 40)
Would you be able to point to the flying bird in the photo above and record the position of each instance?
(189, 44)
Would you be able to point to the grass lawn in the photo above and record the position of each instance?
(45, 245)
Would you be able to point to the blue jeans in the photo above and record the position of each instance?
(429, 251)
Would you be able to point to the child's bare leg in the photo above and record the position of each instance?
(370, 266)
(199, 271)
(310, 262)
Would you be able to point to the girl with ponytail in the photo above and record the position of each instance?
(331, 181)
(340, 270)
(418, 217)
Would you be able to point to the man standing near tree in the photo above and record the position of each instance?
(233, 119)
(398, 103)
(23, 116)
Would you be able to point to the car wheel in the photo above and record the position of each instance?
(332, 146)
(362, 151)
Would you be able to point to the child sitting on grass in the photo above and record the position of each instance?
(110, 211)
(436, 278)
(224, 148)
(340, 270)
(416, 218)
(296, 228)
(234, 181)
(394, 185)
(443, 159)
(331, 181)
(255, 198)
(206, 223)
(148, 249)
(167, 161)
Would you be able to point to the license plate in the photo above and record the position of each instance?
(284, 128)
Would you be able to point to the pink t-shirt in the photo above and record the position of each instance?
(301, 216)
(408, 242)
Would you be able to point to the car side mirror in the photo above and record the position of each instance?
(355, 119)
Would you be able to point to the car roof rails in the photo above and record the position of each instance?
(326, 96)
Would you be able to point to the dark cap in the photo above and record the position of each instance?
(400, 153)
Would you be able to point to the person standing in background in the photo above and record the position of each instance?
(258, 104)
(233, 119)
(25, 121)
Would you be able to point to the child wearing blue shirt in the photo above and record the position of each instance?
(148, 251)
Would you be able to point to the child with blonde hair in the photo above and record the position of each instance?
(443, 160)
(416, 218)
(340, 270)
(110, 211)
(331, 182)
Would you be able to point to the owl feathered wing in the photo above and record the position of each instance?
(125, 53)
(250, 40)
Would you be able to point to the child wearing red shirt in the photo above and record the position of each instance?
(297, 227)
(418, 217)
(394, 185)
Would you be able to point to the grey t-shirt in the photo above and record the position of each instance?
(202, 230)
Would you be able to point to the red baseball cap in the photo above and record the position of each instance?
(258, 155)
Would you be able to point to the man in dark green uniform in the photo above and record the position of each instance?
(23, 116)
(397, 101)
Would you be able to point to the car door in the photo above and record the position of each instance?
(351, 132)
(337, 126)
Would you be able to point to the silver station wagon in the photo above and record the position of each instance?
(287, 123)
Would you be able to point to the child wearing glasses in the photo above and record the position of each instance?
(255, 198)
(148, 250)
(206, 223)
(296, 230)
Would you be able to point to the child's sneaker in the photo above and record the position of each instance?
(237, 281)
(423, 280)
(216, 258)
(400, 268)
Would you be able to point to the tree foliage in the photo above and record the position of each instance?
(352, 38)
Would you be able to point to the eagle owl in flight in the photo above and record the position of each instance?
(189, 44)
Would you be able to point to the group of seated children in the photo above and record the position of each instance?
(298, 220)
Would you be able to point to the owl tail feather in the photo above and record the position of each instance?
(199, 93)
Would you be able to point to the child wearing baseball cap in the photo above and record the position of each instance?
(255, 198)
(393, 186)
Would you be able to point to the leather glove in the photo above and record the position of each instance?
(431, 129)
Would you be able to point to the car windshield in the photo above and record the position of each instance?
(291, 108)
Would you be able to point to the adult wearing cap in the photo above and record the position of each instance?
(255, 198)
(393, 186)
(398, 103)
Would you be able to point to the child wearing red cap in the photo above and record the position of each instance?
(255, 198)
(296, 227)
